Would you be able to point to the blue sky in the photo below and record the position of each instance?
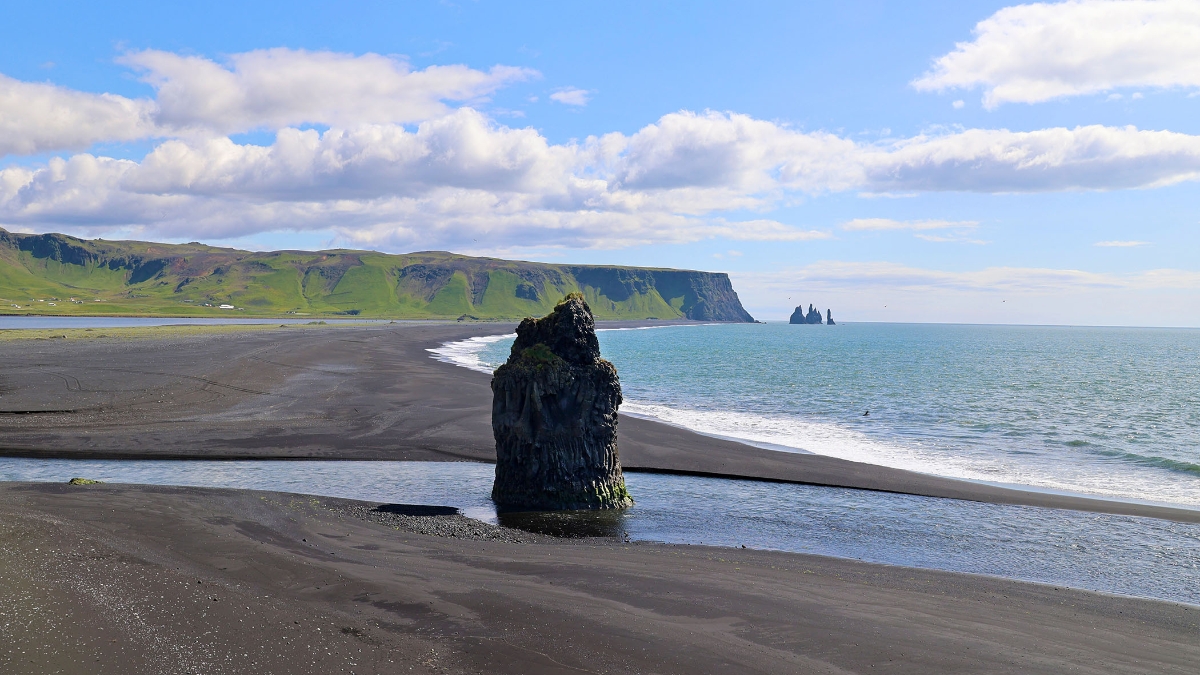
(893, 161)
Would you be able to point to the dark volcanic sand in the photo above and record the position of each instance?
(136, 579)
(354, 393)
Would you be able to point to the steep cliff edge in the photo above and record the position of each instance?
(554, 417)
(130, 277)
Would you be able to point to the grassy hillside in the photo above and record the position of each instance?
(58, 274)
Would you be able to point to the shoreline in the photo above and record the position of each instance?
(265, 393)
(161, 579)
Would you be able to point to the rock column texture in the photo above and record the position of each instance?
(554, 416)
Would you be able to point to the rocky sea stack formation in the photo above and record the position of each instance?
(813, 316)
(554, 416)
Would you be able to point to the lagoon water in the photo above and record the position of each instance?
(1103, 411)
(1143, 557)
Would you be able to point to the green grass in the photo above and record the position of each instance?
(41, 273)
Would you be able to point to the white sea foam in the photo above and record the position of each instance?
(791, 433)
(466, 353)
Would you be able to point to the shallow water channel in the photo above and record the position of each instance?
(1128, 555)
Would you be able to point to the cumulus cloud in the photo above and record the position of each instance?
(36, 117)
(463, 150)
(265, 89)
(997, 160)
(462, 177)
(1038, 52)
(571, 96)
(735, 152)
(276, 88)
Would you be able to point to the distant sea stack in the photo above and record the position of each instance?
(813, 316)
(554, 416)
(829, 318)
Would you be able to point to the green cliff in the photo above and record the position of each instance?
(58, 274)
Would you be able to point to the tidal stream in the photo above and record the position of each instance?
(1143, 557)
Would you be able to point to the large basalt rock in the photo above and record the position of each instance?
(812, 317)
(554, 416)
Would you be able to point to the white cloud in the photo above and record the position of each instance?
(888, 224)
(265, 89)
(276, 88)
(735, 152)
(997, 160)
(921, 228)
(37, 117)
(1121, 244)
(463, 150)
(571, 96)
(957, 105)
(951, 239)
(1038, 52)
(463, 177)
(769, 230)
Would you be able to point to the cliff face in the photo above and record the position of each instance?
(554, 417)
(181, 279)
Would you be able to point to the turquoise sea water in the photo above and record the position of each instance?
(1104, 411)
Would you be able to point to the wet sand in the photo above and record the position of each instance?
(138, 579)
(337, 392)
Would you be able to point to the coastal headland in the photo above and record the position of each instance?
(58, 274)
(118, 578)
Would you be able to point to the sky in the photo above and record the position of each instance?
(975, 162)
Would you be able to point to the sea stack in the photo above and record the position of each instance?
(812, 317)
(554, 416)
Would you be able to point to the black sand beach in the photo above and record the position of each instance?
(139, 579)
(132, 579)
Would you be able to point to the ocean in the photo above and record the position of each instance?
(1112, 412)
